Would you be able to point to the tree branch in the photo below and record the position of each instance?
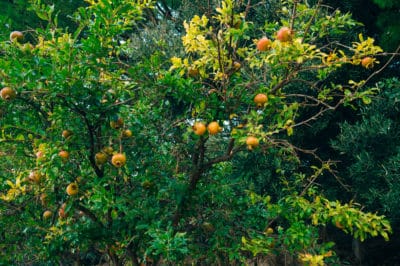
(384, 66)
(230, 151)
(89, 214)
(311, 20)
(294, 13)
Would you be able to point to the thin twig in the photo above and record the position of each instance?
(384, 66)
(293, 14)
(311, 20)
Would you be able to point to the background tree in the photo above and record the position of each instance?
(369, 13)
(378, 16)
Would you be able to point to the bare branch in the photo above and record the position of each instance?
(89, 214)
(311, 20)
(294, 14)
(384, 66)
(229, 153)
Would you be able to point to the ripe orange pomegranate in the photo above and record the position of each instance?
(260, 99)
(35, 176)
(47, 214)
(284, 34)
(263, 44)
(118, 160)
(127, 133)
(64, 155)
(72, 189)
(7, 94)
(252, 142)
(66, 133)
(16, 36)
(367, 62)
(199, 128)
(214, 128)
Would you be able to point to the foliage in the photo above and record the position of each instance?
(370, 149)
(18, 15)
(378, 16)
(386, 3)
(388, 23)
(301, 214)
(179, 198)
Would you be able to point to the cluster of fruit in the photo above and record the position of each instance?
(285, 34)
(199, 128)
(7, 93)
(117, 159)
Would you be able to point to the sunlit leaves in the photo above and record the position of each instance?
(15, 189)
(303, 215)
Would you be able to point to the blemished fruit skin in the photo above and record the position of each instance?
(27, 47)
(16, 36)
(263, 44)
(35, 176)
(213, 128)
(127, 133)
(269, 231)
(43, 199)
(208, 227)
(199, 128)
(7, 94)
(47, 214)
(367, 62)
(101, 158)
(147, 184)
(339, 225)
(117, 124)
(236, 65)
(39, 155)
(252, 142)
(118, 160)
(72, 189)
(66, 133)
(193, 72)
(61, 211)
(108, 150)
(284, 34)
(64, 155)
(260, 99)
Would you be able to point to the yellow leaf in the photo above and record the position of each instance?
(314, 219)
(289, 131)
(385, 236)
(11, 184)
(176, 62)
